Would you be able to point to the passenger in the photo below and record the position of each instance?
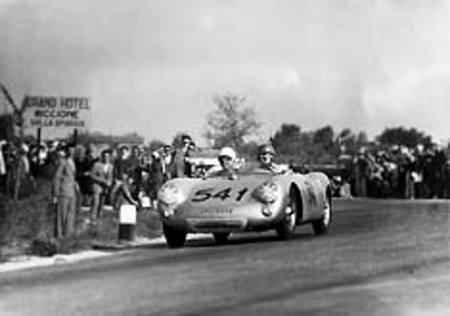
(266, 153)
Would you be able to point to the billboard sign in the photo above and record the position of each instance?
(56, 116)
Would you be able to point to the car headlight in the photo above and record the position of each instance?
(169, 197)
(268, 192)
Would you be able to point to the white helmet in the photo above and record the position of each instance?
(228, 152)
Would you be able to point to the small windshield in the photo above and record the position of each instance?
(254, 168)
(249, 168)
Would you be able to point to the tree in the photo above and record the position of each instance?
(324, 148)
(346, 141)
(324, 137)
(299, 147)
(349, 143)
(402, 136)
(249, 150)
(287, 140)
(231, 122)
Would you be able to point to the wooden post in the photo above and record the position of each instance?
(38, 135)
(75, 136)
(38, 158)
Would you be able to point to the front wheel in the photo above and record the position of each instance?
(321, 226)
(221, 238)
(286, 227)
(175, 237)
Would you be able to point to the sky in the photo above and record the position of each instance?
(154, 66)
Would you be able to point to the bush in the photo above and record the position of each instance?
(43, 246)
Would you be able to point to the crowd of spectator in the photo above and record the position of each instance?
(91, 176)
(86, 175)
(401, 172)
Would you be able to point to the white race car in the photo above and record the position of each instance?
(255, 201)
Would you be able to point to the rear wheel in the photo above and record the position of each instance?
(221, 238)
(286, 227)
(175, 237)
(321, 225)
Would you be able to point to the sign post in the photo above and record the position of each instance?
(75, 136)
(127, 222)
(38, 141)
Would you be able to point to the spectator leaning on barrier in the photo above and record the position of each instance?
(65, 192)
(123, 192)
(101, 175)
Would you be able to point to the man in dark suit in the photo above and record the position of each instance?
(101, 175)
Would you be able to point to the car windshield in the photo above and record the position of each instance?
(254, 168)
(251, 168)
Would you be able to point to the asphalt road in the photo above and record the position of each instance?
(379, 258)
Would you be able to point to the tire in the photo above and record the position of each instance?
(286, 227)
(221, 238)
(321, 226)
(175, 237)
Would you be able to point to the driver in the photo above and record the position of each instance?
(227, 159)
(266, 153)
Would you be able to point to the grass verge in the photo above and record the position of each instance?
(27, 226)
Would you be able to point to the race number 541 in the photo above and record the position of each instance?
(210, 193)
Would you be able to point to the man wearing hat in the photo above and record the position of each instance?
(266, 153)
